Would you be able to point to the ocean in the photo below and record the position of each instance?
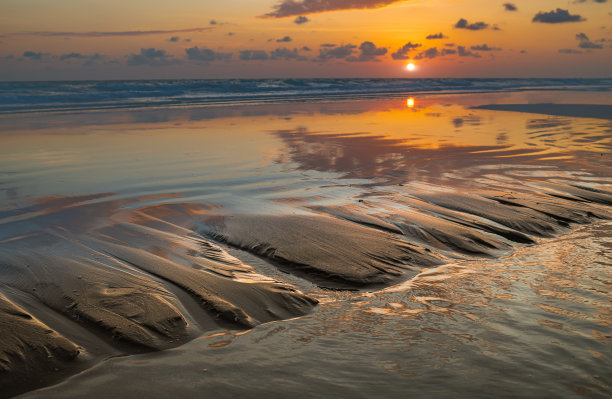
(88, 95)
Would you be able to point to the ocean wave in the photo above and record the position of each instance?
(88, 95)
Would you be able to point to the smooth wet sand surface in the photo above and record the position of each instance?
(409, 249)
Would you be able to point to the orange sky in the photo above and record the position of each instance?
(112, 39)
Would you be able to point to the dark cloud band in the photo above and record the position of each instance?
(289, 8)
(107, 34)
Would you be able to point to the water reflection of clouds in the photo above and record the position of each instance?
(392, 159)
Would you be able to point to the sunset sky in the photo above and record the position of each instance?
(140, 39)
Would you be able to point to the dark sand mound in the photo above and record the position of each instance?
(357, 215)
(241, 303)
(126, 307)
(450, 238)
(333, 252)
(565, 212)
(463, 219)
(27, 348)
(577, 193)
(525, 220)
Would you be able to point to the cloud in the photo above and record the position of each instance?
(368, 52)
(586, 43)
(253, 55)
(590, 45)
(284, 39)
(286, 54)
(152, 57)
(596, 1)
(300, 20)
(338, 52)
(436, 36)
(118, 33)
(89, 59)
(213, 22)
(9, 57)
(430, 53)
(174, 39)
(556, 16)
(402, 52)
(448, 51)
(568, 51)
(484, 47)
(463, 52)
(306, 48)
(509, 7)
(34, 55)
(582, 37)
(205, 54)
(464, 24)
(288, 8)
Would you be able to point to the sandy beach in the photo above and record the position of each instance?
(453, 244)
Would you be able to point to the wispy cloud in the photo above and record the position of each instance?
(568, 51)
(484, 47)
(205, 54)
(436, 36)
(338, 52)
(111, 33)
(464, 24)
(402, 52)
(368, 52)
(463, 52)
(253, 55)
(430, 53)
(289, 8)
(286, 54)
(586, 43)
(152, 57)
(34, 55)
(87, 59)
(300, 20)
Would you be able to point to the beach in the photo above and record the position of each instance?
(366, 242)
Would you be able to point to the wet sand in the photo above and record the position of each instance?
(186, 236)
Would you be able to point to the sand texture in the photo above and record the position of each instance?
(152, 278)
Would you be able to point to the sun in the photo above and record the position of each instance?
(410, 66)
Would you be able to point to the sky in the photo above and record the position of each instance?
(155, 39)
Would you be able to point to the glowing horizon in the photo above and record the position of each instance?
(40, 40)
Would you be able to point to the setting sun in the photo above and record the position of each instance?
(410, 67)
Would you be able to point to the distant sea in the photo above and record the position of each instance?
(95, 95)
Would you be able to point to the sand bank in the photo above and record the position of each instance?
(598, 111)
